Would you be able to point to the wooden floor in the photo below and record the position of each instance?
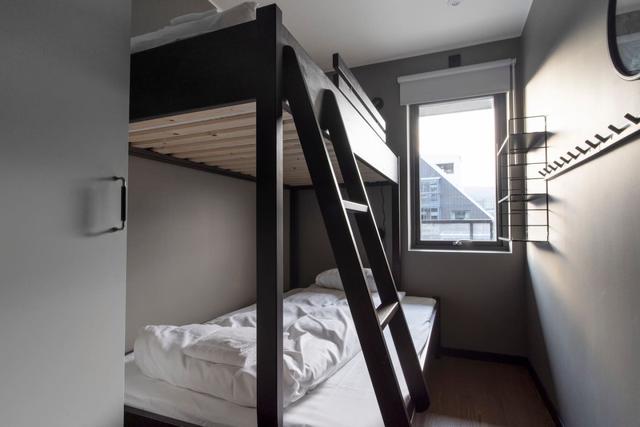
(468, 393)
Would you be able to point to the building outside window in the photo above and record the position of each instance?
(447, 168)
(460, 214)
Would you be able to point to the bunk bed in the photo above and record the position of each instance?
(264, 111)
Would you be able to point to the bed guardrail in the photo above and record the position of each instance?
(347, 83)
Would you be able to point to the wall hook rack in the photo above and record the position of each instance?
(594, 147)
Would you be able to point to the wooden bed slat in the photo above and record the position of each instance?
(291, 151)
(222, 148)
(225, 138)
(204, 137)
(197, 125)
(218, 143)
(247, 130)
(195, 116)
(211, 127)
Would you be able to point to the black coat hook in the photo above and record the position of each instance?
(592, 144)
(633, 119)
(573, 156)
(617, 129)
(582, 150)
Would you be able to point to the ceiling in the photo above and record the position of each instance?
(370, 31)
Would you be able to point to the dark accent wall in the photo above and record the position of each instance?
(583, 288)
(191, 253)
(482, 294)
(312, 248)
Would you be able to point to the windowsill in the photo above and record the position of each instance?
(496, 251)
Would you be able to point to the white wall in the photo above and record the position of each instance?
(584, 285)
(64, 86)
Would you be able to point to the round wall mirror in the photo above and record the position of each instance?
(624, 37)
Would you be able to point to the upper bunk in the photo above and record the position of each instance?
(193, 103)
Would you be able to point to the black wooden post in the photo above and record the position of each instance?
(396, 233)
(269, 210)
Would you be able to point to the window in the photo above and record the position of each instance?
(446, 167)
(460, 214)
(454, 172)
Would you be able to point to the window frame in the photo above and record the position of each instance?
(500, 122)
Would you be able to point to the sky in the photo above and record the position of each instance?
(468, 135)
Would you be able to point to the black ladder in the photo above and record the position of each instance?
(369, 320)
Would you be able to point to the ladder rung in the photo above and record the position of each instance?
(385, 313)
(354, 207)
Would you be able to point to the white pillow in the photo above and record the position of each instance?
(331, 279)
(193, 16)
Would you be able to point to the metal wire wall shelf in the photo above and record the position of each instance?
(523, 203)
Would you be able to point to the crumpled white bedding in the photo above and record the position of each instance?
(347, 399)
(219, 358)
(229, 346)
(184, 29)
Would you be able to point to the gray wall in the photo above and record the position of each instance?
(64, 112)
(189, 245)
(583, 288)
(191, 253)
(482, 293)
(312, 248)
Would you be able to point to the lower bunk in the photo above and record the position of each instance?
(346, 398)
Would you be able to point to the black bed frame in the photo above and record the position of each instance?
(181, 77)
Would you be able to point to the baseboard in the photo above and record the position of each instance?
(484, 356)
(551, 407)
(511, 360)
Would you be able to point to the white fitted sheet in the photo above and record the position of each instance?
(239, 14)
(345, 399)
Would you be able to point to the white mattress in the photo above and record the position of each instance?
(239, 14)
(346, 399)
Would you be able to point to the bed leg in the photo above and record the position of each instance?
(269, 211)
(438, 329)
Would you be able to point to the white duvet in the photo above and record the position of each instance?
(219, 358)
(195, 24)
